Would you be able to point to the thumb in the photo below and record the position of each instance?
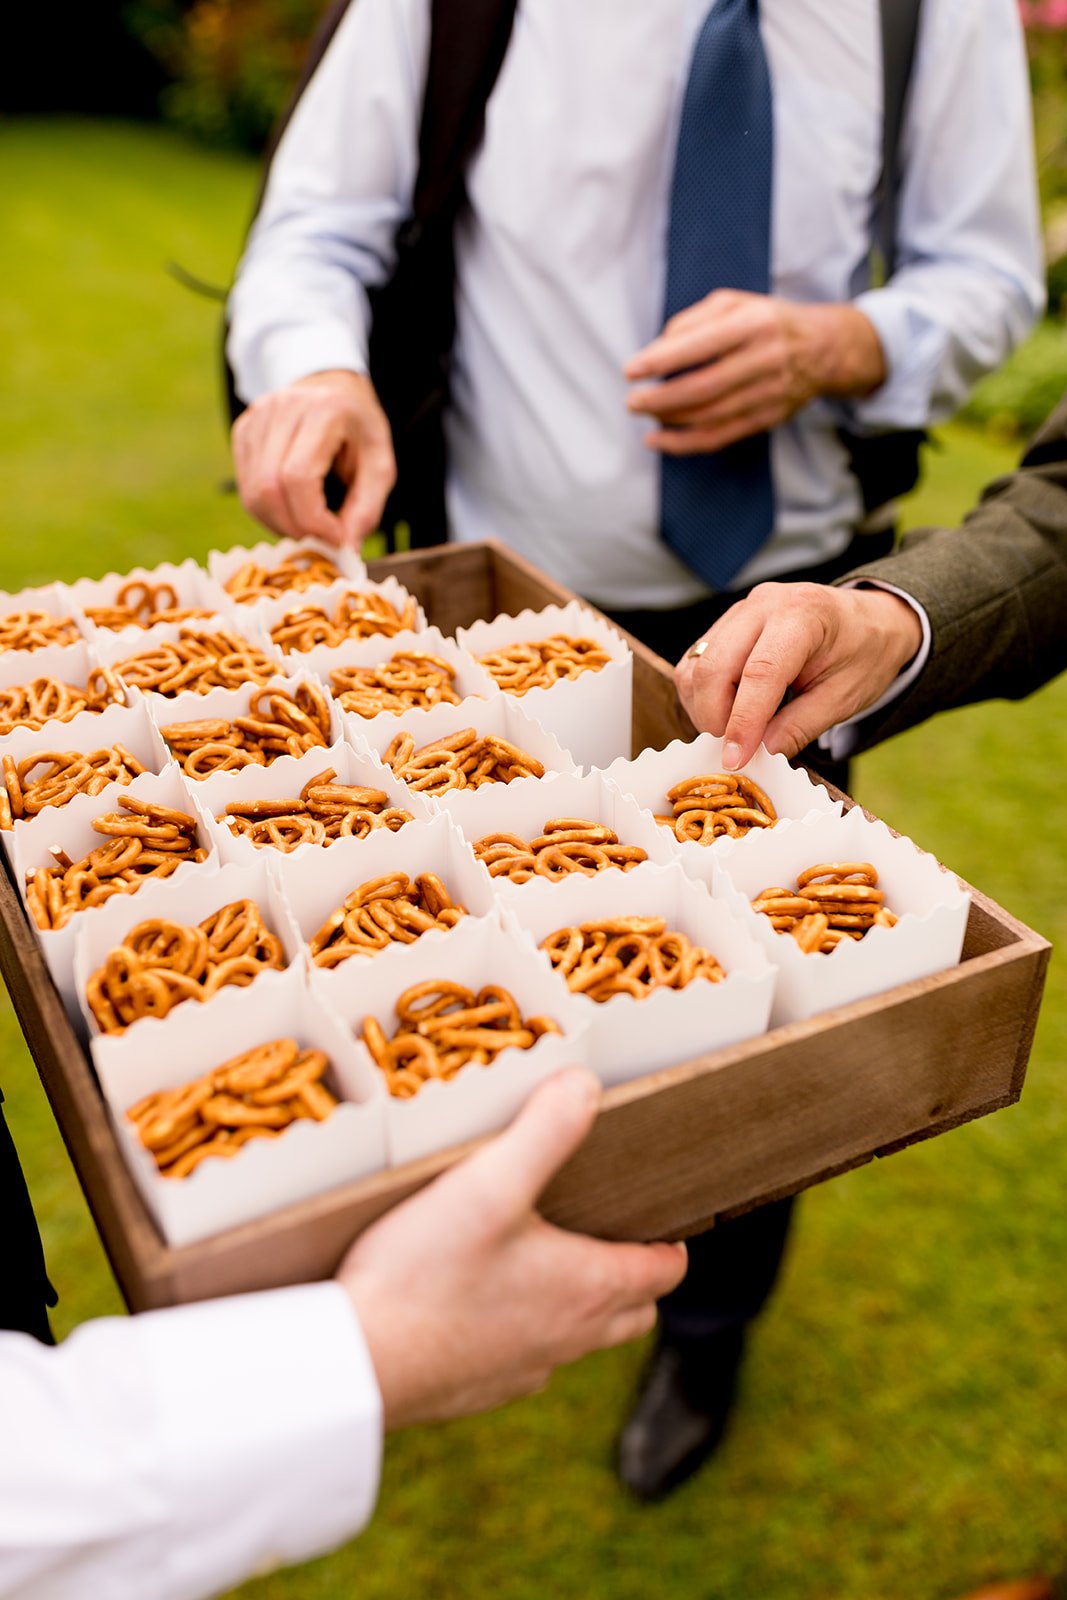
(519, 1163)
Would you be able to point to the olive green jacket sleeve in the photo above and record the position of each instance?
(995, 591)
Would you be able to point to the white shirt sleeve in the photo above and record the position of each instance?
(969, 281)
(176, 1453)
(841, 740)
(341, 183)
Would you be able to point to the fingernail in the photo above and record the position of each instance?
(731, 755)
(581, 1083)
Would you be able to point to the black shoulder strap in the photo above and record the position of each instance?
(900, 32)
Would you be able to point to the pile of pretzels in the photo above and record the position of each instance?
(832, 902)
(161, 963)
(144, 840)
(463, 760)
(256, 1095)
(31, 705)
(566, 845)
(410, 678)
(444, 1027)
(717, 805)
(355, 616)
(35, 630)
(198, 661)
(387, 910)
(518, 668)
(325, 811)
(304, 569)
(627, 955)
(26, 790)
(277, 724)
(140, 604)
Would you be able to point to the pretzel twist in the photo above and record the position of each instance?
(409, 678)
(143, 841)
(304, 569)
(443, 1027)
(355, 616)
(277, 724)
(832, 902)
(35, 630)
(255, 1095)
(161, 963)
(717, 805)
(628, 955)
(462, 760)
(540, 664)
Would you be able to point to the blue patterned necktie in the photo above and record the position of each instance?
(718, 509)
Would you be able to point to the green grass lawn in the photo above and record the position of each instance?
(900, 1436)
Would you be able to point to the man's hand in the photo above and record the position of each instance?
(287, 441)
(837, 649)
(737, 364)
(468, 1298)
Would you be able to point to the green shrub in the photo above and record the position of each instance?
(1015, 400)
(233, 63)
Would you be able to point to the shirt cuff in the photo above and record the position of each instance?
(840, 741)
(268, 1431)
(913, 347)
(284, 355)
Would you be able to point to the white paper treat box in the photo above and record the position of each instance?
(524, 808)
(70, 664)
(932, 908)
(306, 1159)
(224, 565)
(70, 828)
(590, 715)
(478, 1100)
(216, 789)
(629, 1038)
(187, 899)
(285, 778)
(130, 726)
(501, 715)
(191, 585)
(317, 885)
(269, 613)
(649, 776)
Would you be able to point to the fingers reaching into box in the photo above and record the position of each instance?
(508, 1297)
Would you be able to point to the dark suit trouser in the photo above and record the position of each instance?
(733, 1267)
(25, 1292)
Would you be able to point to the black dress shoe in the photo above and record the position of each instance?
(685, 1400)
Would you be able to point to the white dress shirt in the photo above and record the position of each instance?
(171, 1455)
(561, 258)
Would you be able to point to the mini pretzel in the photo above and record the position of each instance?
(34, 630)
(566, 845)
(383, 911)
(444, 1027)
(31, 705)
(463, 760)
(304, 569)
(160, 963)
(325, 811)
(277, 724)
(355, 616)
(198, 661)
(409, 678)
(627, 955)
(143, 841)
(833, 901)
(541, 664)
(53, 777)
(719, 804)
(257, 1094)
(140, 604)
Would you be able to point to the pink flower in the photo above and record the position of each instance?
(1048, 15)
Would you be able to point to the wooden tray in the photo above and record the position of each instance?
(670, 1152)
